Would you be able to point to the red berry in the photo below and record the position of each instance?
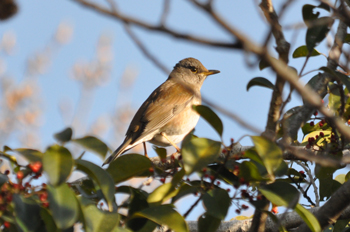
(315, 113)
(224, 150)
(218, 183)
(322, 101)
(228, 190)
(349, 122)
(7, 224)
(245, 206)
(172, 157)
(238, 211)
(45, 204)
(180, 157)
(188, 179)
(312, 123)
(321, 124)
(7, 172)
(274, 210)
(20, 175)
(151, 169)
(204, 170)
(162, 180)
(316, 136)
(302, 172)
(36, 166)
(211, 177)
(232, 140)
(163, 160)
(43, 196)
(259, 198)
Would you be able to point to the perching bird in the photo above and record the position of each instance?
(166, 117)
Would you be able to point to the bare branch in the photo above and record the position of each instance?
(158, 28)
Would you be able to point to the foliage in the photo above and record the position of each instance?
(215, 173)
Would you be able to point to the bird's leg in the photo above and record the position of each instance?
(145, 149)
(171, 142)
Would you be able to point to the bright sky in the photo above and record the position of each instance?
(38, 20)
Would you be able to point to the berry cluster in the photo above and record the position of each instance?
(22, 185)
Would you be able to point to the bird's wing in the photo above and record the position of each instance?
(162, 105)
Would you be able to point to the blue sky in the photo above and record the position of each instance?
(37, 21)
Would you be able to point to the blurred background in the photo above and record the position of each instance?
(65, 65)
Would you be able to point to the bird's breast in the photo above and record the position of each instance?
(179, 126)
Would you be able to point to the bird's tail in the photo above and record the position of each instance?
(120, 150)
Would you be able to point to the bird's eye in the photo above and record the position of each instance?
(193, 69)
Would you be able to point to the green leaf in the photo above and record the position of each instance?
(308, 13)
(161, 152)
(211, 117)
(216, 202)
(58, 164)
(63, 205)
(97, 220)
(208, 223)
(260, 81)
(340, 225)
(30, 154)
(347, 38)
(48, 220)
(327, 187)
(340, 178)
(64, 136)
(162, 193)
(138, 202)
(27, 213)
(338, 75)
(128, 166)
(308, 218)
(302, 51)
(164, 215)
(185, 190)
(250, 172)
(280, 194)
(93, 144)
(269, 152)
(101, 177)
(316, 34)
(197, 153)
(334, 99)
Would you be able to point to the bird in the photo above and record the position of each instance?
(167, 115)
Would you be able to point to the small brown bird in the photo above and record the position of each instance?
(166, 117)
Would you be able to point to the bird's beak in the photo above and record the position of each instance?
(211, 72)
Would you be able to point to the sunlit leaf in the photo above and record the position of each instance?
(197, 153)
(58, 164)
(164, 215)
(250, 172)
(211, 117)
(302, 51)
(269, 152)
(128, 166)
(308, 218)
(161, 194)
(93, 144)
(101, 177)
(260, 81)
